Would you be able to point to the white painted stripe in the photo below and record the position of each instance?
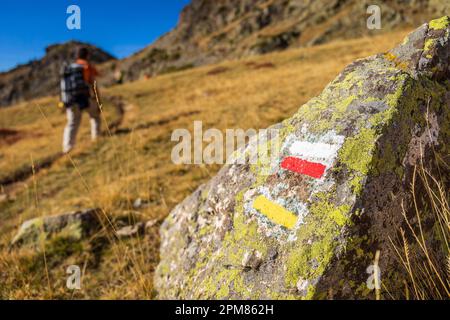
(314, 151)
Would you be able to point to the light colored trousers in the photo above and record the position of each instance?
(74, 115)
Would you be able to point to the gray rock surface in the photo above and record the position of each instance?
(74, 226)
(289, 230)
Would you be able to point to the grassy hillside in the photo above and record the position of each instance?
(134, 161)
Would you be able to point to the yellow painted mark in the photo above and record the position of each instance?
(275, 212)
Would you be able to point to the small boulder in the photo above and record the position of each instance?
(137, 230)
(150, 224)
(131, 231)
(74, 225)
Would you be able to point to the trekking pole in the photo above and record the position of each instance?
(97, 97)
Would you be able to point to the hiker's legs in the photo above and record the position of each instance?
(71, 130)
(94, 114)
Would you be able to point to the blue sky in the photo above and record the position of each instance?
(119, 27)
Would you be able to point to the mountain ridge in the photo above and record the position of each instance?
(212, 31)
(209, 32)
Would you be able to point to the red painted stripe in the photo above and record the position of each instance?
(314, 170)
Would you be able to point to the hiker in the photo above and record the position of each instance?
(76, 85)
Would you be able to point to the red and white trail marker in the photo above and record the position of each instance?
(312, 169)
(277, 213)
(310, 159)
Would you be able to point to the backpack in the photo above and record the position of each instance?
(74, 90)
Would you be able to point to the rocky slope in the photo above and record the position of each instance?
(309, 224)
(41, 77)
(210, 31)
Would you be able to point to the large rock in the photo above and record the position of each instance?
(73, 226)
(287, 231)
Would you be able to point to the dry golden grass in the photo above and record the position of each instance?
(428, 275)
(135, 162)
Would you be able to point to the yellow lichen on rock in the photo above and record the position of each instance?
(439, 24)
